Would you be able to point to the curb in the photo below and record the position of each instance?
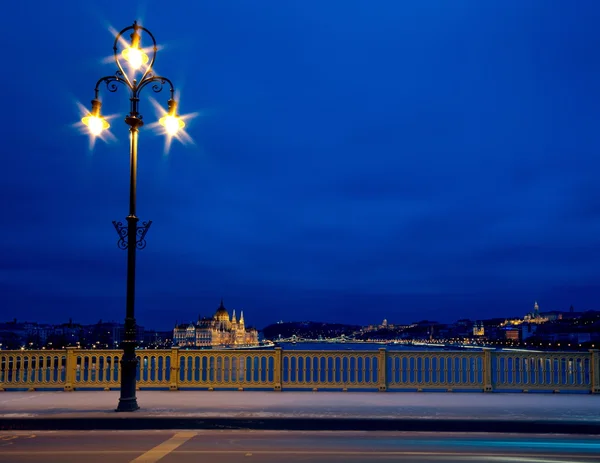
(301, 424)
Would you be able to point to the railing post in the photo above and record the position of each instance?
(278, 366)
(487, 369)
(4, 372)
(174, 378)
(595, 371)
(70, 369)
(382, 369)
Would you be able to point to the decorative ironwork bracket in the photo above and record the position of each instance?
(140, 234)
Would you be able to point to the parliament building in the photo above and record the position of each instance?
(218, 331)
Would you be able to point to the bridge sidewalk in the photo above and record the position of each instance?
(399, 411)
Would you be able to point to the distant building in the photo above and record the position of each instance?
(552, 315)
(117, 331)
(527, 330)
(155, 338)
(512, 333)
(478, 329)
(536, 316)
(218, 331)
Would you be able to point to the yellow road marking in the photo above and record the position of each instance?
(165, 448)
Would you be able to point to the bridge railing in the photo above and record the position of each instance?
(381, 370)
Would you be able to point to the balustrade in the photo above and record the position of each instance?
(276, 369)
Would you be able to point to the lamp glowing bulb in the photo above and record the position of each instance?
(172, 124)
(171, 121)
(95, 124)
(133, 54)
(94, 121)
(135, 57)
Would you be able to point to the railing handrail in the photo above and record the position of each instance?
(380, 369)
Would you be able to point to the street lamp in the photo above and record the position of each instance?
(132, 236)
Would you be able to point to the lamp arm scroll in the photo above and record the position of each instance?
(111, 83)
(159, 81)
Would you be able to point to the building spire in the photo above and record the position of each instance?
(242, 317)
(221, 306)
(233, 319)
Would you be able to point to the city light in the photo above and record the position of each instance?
(135, 57)
(172, 124)
(95, 123)
(133, 54)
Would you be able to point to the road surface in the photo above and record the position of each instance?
(229, 446)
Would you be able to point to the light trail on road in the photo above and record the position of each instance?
(229, 446)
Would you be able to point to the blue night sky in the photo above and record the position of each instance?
(353, 161)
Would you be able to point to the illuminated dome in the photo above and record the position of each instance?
(221, 314)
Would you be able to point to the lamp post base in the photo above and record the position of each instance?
(127, 405)
(129, 363)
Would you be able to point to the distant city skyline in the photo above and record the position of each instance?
(366, 322)
(534, 329)
(352, 162)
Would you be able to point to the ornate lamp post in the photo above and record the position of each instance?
(132, 236)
